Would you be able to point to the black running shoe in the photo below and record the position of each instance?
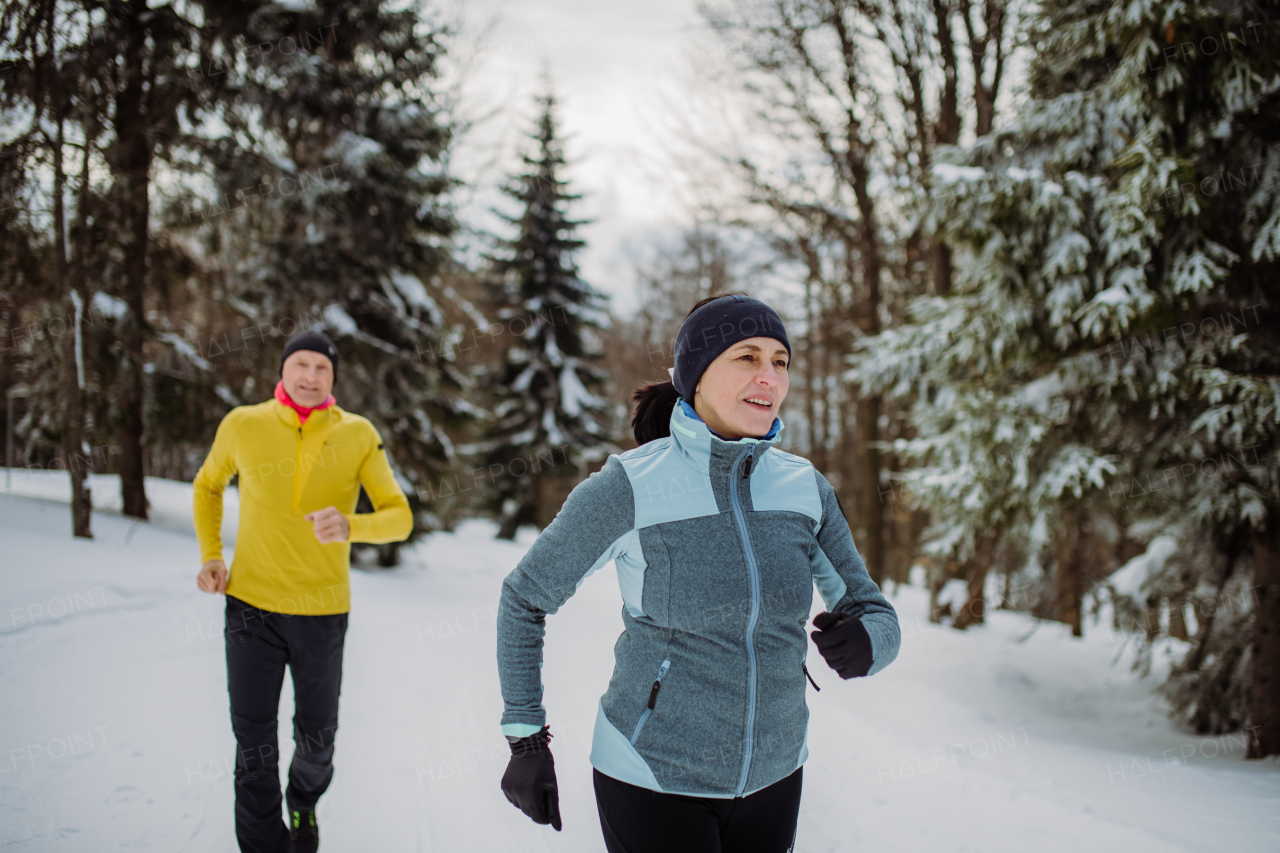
(303, 832)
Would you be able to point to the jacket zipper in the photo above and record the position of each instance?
(653, 697)
(810, 677)
(754, 572)
(297, 467)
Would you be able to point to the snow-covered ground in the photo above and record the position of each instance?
(115, 733)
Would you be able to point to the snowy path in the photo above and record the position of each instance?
(115, 734)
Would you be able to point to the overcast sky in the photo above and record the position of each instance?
(617, 69)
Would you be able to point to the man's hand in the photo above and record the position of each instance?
(330, 525)
(213, 576)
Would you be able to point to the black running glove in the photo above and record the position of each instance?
(530, 780)
(843, 641)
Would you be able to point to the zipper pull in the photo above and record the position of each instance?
(746, 472)
(657, 685)
(808, 676)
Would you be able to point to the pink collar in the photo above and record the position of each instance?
(303, 411)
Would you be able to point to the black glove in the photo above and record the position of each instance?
(530, 780)
(843, 641)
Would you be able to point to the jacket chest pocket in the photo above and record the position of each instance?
(653, 700)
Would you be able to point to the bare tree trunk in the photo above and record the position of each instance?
(1232, 551)
(948, 127)
(871, 517)
(867, 317)
(1178, 618)
(979, 566)
(822, 457)
(1152, 619)
(72, 438)
(81, 495)
(810, 339)
(544, 512)
(1264, 710)
(389, 555)
(133, 164)
(78, 461)
(940, 571)
(1069, 579)
(810, 403)
(994, 18)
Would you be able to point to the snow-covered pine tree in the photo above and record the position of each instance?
(1208, 170)
(548, 417)
(1115, 326)
(343, 143)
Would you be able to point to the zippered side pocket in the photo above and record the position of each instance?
(653, 697)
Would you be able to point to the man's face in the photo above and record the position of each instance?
(308, 377)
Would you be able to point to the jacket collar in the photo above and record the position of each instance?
(696, 440)
(315, 420)
(304, 412)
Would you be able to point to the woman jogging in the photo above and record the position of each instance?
(718, 539)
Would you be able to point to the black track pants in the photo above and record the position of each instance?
(260, 644)
(638, 820)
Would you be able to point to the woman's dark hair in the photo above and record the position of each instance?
(656, 400)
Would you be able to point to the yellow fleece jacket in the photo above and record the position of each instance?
(288, 469)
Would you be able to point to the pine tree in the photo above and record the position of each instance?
(347, 218)
(54, 56)
(47, 70)
(118, 85)
(1065, 388)
(547, 412)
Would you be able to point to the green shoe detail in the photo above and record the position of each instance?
(310, 822)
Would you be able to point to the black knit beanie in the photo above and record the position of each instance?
(714, 328)
(315, 342)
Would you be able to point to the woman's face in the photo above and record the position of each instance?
(741, 391)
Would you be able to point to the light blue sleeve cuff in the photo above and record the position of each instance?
(520, 729)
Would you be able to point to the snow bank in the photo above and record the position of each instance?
(170, 500)
(115, 733)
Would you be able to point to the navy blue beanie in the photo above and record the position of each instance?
(714, 328)
(315, 342)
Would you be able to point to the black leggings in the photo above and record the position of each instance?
(260, 643)
(638, 820)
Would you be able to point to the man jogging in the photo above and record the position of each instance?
(301, 461)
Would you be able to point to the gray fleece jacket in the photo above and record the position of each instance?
(718, 545)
